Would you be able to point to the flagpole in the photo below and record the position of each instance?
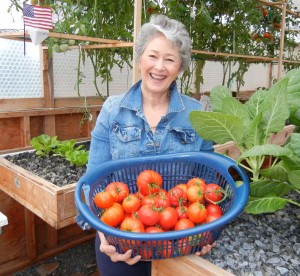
(24, 41)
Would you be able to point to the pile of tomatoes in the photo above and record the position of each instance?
(152, 209)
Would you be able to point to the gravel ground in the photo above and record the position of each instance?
(260, 245)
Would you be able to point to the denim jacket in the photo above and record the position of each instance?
(122, 131)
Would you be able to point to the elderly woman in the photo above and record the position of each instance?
(151, 118)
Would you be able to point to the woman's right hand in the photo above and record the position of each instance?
(111, 251)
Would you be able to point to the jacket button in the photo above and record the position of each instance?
(156, 144)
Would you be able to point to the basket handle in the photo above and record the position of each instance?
(82, 207)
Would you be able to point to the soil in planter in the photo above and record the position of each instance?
(54, 169)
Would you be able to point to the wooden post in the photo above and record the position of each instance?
(281, 45)
(30, 234)
(137, 28)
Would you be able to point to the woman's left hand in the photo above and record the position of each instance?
(206, 249)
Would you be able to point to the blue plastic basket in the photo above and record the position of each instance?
(175, 169)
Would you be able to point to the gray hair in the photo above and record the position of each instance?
(172, 29)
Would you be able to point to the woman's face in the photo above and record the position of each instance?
(159, 65)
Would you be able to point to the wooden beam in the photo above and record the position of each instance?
(137, 28)
(30, 234)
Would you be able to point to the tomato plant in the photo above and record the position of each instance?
(104, 199)
(131, 203)
(149, 182)
(119, 190)
(197, 212)
(148, 215)
(114, 215)
(167, 218)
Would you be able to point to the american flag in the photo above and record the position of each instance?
(38, 17)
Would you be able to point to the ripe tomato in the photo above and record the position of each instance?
(166, 250)
(198, 182)
(206, 238)
(214, 209)
(104, 199)
(183, 246)
(167, 218)
(182, 211)
(212, 217)
(154, 229)
(195, 193)
(265, 12)
(182, 186)
(148, 216)
(184, 223)
(162, 201)
(149, 200)
(114, 215)
(131, 203)
(177, 196)
(214, 193)
(197, 212)
(146, 253)
(119, 190)
(149, 182)
(267, 35)
(132, 225)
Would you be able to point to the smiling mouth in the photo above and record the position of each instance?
(157, 77)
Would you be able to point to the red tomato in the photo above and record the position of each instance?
(166, 249)
(149, 182)
(182, 186)
(182, 211)
(167, 218)
(177, 196)
(119, 190)
(162, 201)
(132, 225)
(197, 212)
(212, 217)
(148, 216)
(146, 253)
(114, 215)
(149, 200)
(198, 182)
(184, 223)
(214, 209)
(154, 229)
(131, 203)
(195, 193)
(183, 246)
(214, 193)
(104, 199)
(265, 12)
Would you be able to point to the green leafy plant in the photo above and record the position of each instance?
(44, 144)
(250, 126)
(77, 157)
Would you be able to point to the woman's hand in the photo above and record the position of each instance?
(206, 249)
(111, 251)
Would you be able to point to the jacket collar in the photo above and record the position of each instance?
(133, 99)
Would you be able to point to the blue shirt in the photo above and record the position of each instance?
(122, 131)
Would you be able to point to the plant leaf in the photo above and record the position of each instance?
(234, 107)
(294, 178)
(256, 103)
(217, 95)
(254, 134)
(264, 188)
(217, 127)
(276, 111)
(277, 172)
(268, 149)
(265, 205)
(293, 95)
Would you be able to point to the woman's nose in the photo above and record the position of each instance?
(160, 64)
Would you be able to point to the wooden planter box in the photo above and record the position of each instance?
(55, 205)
